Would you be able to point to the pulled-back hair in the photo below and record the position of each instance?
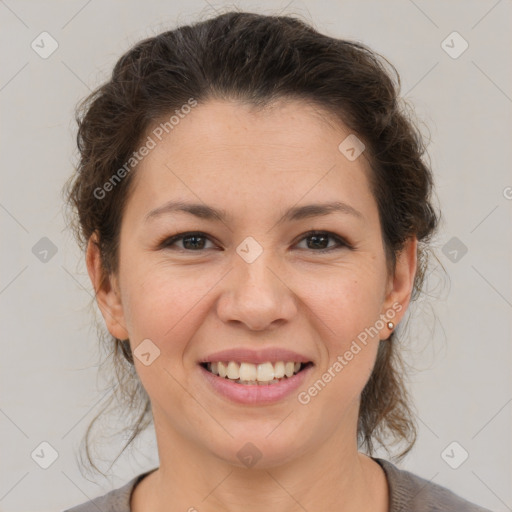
(258, 59)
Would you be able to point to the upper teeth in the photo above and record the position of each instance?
(264, 372)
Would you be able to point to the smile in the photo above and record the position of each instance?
(255, 374)
(241, 381)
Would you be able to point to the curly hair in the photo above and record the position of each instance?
(258, 59)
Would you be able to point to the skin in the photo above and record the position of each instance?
(255, 164)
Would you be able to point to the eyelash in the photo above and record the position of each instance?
(168, 242)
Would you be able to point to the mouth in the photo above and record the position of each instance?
(249, 374)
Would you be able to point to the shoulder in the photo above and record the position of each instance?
(412, 493)
(117, 500)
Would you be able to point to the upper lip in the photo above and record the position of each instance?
(256, 356)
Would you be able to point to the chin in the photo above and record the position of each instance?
(258, 451)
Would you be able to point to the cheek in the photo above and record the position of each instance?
(348, 309)
(347, 301)
(164, 305)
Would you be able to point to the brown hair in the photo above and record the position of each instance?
(257, 59)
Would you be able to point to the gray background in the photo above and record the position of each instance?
(458, 338)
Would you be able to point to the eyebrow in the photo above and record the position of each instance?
(204, 211)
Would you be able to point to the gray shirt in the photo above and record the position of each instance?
(407, 493)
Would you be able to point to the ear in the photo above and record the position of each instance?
(106, 291)
(400, 286)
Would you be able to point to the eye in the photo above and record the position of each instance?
(192, 241)
(319, 241)
(196, 241)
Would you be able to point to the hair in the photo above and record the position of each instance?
(258, 59)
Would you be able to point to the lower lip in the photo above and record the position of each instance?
(254, 394)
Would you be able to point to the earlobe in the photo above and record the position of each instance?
(106, 291)
(400, 286)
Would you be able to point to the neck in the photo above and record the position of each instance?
(333, 476)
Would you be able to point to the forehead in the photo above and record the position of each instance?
(284, 127)
(261, 157)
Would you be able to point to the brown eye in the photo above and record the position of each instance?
(190, 241)
(318, 241)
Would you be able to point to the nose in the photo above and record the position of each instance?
(256, 295)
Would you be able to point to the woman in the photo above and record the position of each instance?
(256, 212)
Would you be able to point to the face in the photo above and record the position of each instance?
(252, 279)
